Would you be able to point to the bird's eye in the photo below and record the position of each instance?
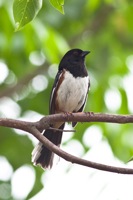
(75, 53)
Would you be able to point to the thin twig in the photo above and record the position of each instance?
(60, 130)
(23, 81)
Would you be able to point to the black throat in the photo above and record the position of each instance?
(76, 69)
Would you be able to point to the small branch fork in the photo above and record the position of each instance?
(35, 128)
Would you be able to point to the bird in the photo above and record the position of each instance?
(68, 95)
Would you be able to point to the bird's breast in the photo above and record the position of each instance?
(72, 93)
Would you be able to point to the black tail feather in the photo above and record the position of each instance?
(42, 155)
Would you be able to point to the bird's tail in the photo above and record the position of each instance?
(43, 156)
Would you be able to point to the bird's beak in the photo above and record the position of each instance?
(84, 53)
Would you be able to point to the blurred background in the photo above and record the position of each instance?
(28, 63)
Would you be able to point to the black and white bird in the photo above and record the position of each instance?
(69, 94)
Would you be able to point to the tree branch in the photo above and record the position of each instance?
(35, 129)
(76, 160)
(83, 117)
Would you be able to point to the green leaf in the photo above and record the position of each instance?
(24, 11)
(58, 4)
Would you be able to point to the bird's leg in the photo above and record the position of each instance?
(89, 113)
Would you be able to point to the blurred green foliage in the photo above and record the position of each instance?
(103, 27)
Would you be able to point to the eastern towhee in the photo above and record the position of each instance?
(69, 94)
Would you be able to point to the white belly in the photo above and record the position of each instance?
(72, 93)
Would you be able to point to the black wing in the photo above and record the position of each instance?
(53, 93)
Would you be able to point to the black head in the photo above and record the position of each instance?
(73, 61)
